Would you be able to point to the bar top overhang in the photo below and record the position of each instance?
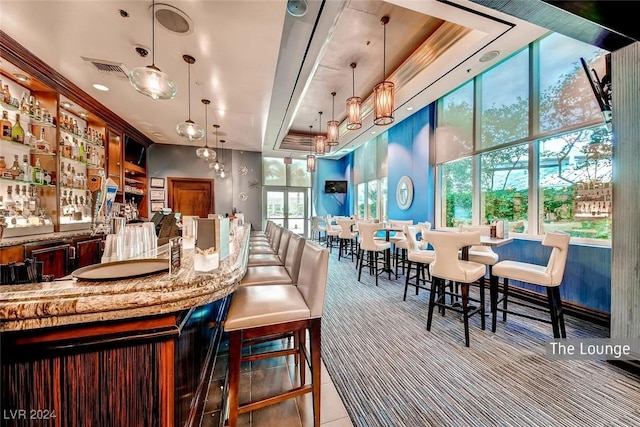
(68, 302)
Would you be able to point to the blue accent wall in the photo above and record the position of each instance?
(587, 276)
(409, 154)
(332, 204)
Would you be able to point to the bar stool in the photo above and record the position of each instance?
(318, 226)
(548, 276)
(347, 237)
(373, 248)
(332, 233)
(259, 312)
(420, 257)
(447, 266)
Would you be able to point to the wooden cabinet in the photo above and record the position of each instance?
(88, 251)
(54, 256)
(11, 254)
(114, 161)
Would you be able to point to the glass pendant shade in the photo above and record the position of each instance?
(207, 154)
(215, 165)
(383, 103)
(149, 80)
(152, 82)
(190, 130)
(311, 163)
(383, 92)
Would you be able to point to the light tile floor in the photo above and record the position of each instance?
(267, 376)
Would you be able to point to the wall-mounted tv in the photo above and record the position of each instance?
(601, 88)
(134, 152)
(335, 186)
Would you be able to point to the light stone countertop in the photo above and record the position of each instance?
(13, 241)
(67, 302)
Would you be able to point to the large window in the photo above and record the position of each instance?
(575, 183)
(537, 154)
(370, 178)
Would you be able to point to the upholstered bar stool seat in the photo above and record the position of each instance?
(347, 237)
(278, 274)
(261, 258)
(549, 276)
(260, 312)
(371, 250)
(332, 232)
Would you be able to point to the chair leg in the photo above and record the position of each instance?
(314, 342)
(482, 310)
(432, 300)
(553, 312)
(465, 311)
(375, 268)
(493, 296)
(504, 299)
(235, 353)
(361, 257)
(406, 281)
(419, 269)
(563, 331)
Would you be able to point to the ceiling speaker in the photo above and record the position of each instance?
(297, 8)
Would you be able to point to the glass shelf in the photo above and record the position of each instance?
(82, 138)
(15, 181)
(73, 160)
(66, 187)
(16, 144)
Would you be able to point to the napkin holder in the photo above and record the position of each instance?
(212, 243)
(502, 228)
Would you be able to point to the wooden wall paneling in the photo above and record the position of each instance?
(625, 292)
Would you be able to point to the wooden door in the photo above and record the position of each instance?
(191, 196)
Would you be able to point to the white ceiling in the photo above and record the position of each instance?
(266, 72)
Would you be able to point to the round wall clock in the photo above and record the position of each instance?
(404, 193)
(243, 196)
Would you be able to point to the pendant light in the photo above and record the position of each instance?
(216, 165)
(311, 159)
(222, 174)
(149, 80)
(332, 125)
(188, 129)
(383, 91)
(354, 104)
(321, 140)
(205, 153)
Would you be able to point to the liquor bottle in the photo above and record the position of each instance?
(75, 126)
(38, 175)
(3, 166)
(6, 126)
(38, 110)
(6, 95)
(75, 149)
(15, 169)
(24, 103)
(27, 170)
(17, 133)
(10, 204)
(81, 152)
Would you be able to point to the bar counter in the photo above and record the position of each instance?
(127, 352)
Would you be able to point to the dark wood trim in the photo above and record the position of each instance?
(24, 59)
(172, 180)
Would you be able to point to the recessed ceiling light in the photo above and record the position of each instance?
(65, 104)
(21, 77)
(101, 87)
(373, 132)
(409, 108)
(83, 115)
(157, 134)
(489, 56)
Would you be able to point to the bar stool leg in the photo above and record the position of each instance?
(563, 331)
(504, 299)
(235, 354)
(406, 281)
(465, 311)
(553, 312)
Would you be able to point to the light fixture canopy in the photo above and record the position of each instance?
(189, 129)
(332, 125)
(321, 140)
(354, 105)
(311, 159)
(383, 92)
(205, 153)
(150, 80)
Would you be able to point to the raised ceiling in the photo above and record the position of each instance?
(267, 73)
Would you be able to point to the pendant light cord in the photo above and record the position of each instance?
(310, 140)
(153, 33)
(189, 72)
(333, 105)
(353, 80)
(384, 52)
(206, 133)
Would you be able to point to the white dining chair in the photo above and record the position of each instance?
(421, 258)
(447, 266)
(372, 250)
(548, 276)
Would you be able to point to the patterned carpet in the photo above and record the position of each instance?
(391, 371)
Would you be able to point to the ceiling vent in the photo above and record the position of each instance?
(108, 68)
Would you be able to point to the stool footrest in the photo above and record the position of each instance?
(257, 404)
